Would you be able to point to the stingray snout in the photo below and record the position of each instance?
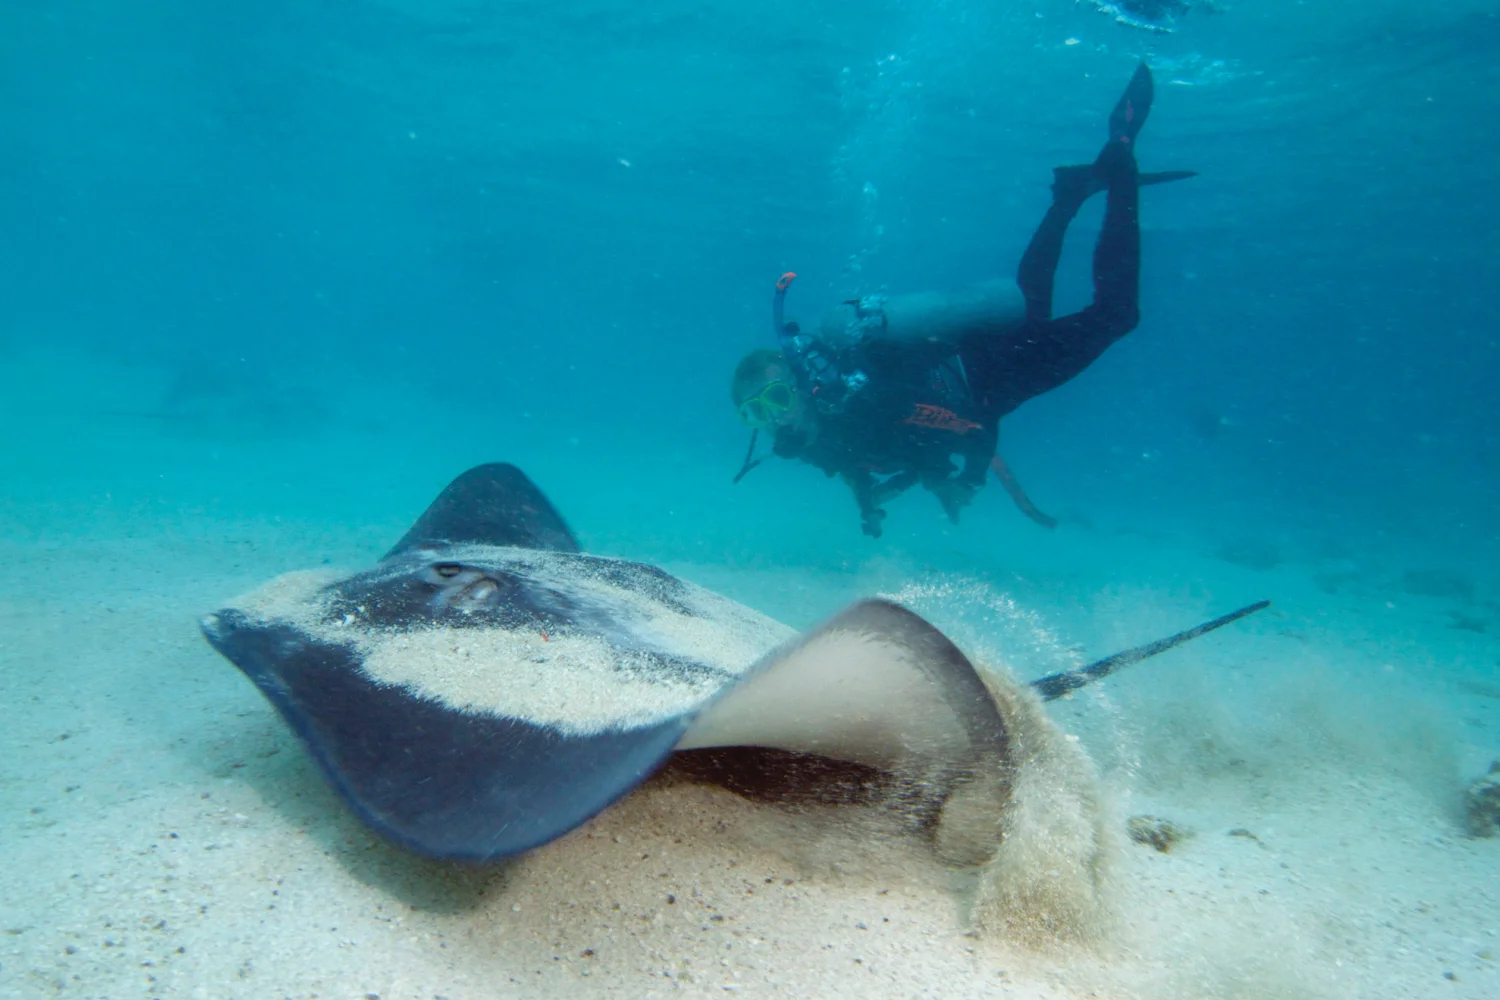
(214, 626)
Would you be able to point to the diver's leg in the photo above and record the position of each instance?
(887, 490)
(1071, 187)
(1117, 255)
(870, 493)
(1042, 355)
(1038, 266)
(1061, 349)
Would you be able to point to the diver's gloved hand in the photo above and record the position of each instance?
(954, 495)
(871, 521)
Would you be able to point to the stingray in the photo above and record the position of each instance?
(486, 687)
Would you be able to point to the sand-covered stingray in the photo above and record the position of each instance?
(486, 688)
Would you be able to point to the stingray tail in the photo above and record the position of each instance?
(1056, 685)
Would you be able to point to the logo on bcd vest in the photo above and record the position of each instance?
(940, 419)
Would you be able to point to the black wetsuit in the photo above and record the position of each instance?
(924, 405)
(884, 427)
(1043, 353)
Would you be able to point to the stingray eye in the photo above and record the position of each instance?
(447, 570)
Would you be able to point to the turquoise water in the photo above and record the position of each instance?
(279, 271)
(372, 222)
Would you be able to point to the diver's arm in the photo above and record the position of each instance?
(980, 446)
(955, 490)
(791, 444)
(862, 484)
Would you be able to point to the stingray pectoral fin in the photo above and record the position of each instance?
(443, 782)
(875, 685)
(493, 504)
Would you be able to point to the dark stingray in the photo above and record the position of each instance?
(486, 687)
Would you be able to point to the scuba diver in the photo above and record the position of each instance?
(890, 389)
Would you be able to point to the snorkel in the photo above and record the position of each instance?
(778, 305)
(791, 341)
(787, 340)
(813, 368)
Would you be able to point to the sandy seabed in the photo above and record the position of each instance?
(165, 835)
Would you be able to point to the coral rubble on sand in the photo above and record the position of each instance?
(1159, 833)
(1483, 804)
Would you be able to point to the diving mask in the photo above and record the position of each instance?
(766, 408)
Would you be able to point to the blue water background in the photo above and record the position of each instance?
(309, 260)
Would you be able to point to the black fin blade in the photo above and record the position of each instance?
(1129, 115)
(1166, 176)
(491, 504)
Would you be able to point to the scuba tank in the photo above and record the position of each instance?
(938, 318)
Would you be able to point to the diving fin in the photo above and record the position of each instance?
(1074, 185)
(1117, 159)
(1081, 182)
(1129, 115)
(1166, 176)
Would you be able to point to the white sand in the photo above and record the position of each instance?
(164, 835)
